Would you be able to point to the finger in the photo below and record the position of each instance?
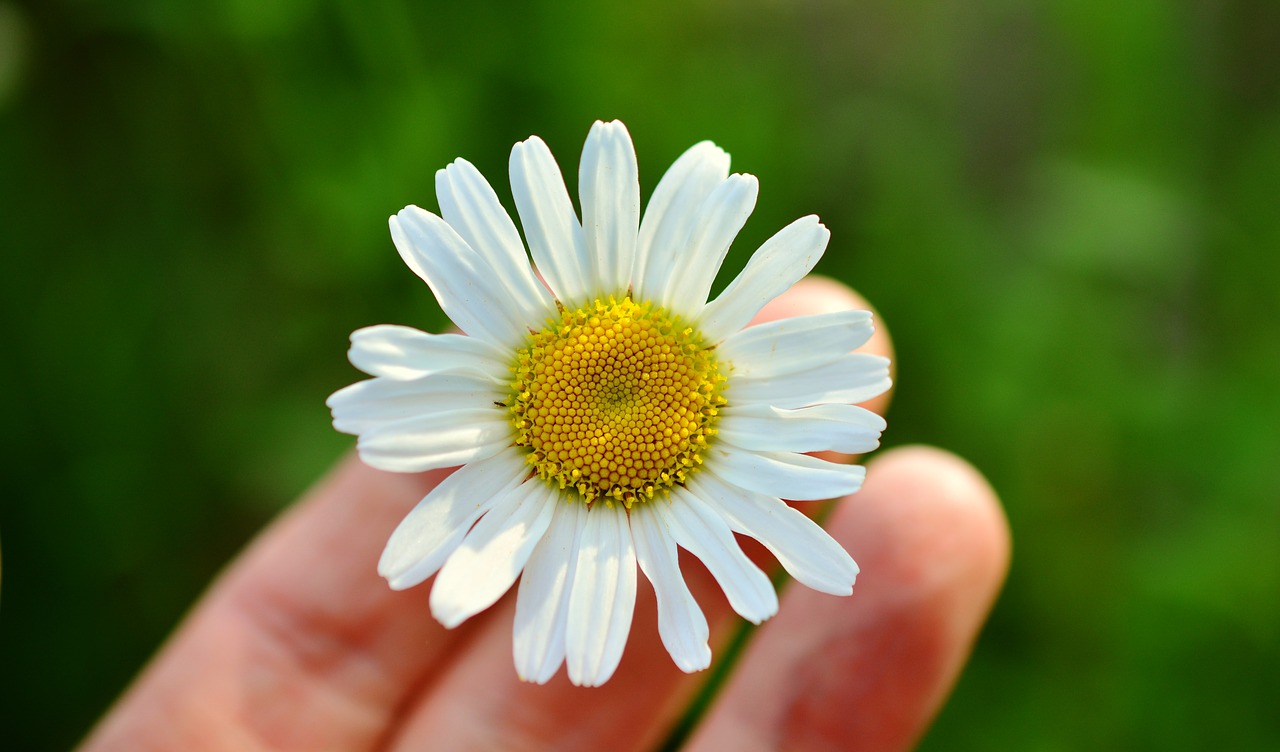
(300, 644)
(869, 672)
(480, 703)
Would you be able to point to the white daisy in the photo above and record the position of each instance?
(611, 416)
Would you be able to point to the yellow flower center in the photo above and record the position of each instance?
(616, 400)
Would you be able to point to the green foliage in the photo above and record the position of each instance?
(1066, 212)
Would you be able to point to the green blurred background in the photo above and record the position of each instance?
(1066, 211)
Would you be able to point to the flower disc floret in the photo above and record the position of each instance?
(616, 400)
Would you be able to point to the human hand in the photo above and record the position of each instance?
(300, 645)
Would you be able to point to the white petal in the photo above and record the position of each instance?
(469, 205)
(671, 212)
(795, 344)
(465, 285)
(681, 623)
(762, 428)
(445, 439)
(542, 603)
(493, 553)
(778, 264)
(856, 377)
(377, 403)
(603, 597)
(803, 548)
(721, 215)
(609, 188)
(429, 533)
(403, 353)
(550, 224)
(705, 534)
(786, 475)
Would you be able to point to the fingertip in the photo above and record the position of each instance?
(951, 502)
(872, 670)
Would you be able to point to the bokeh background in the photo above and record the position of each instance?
(1066, 211)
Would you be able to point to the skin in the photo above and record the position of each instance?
(299, 645)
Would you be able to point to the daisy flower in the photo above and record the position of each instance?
(611, 416)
